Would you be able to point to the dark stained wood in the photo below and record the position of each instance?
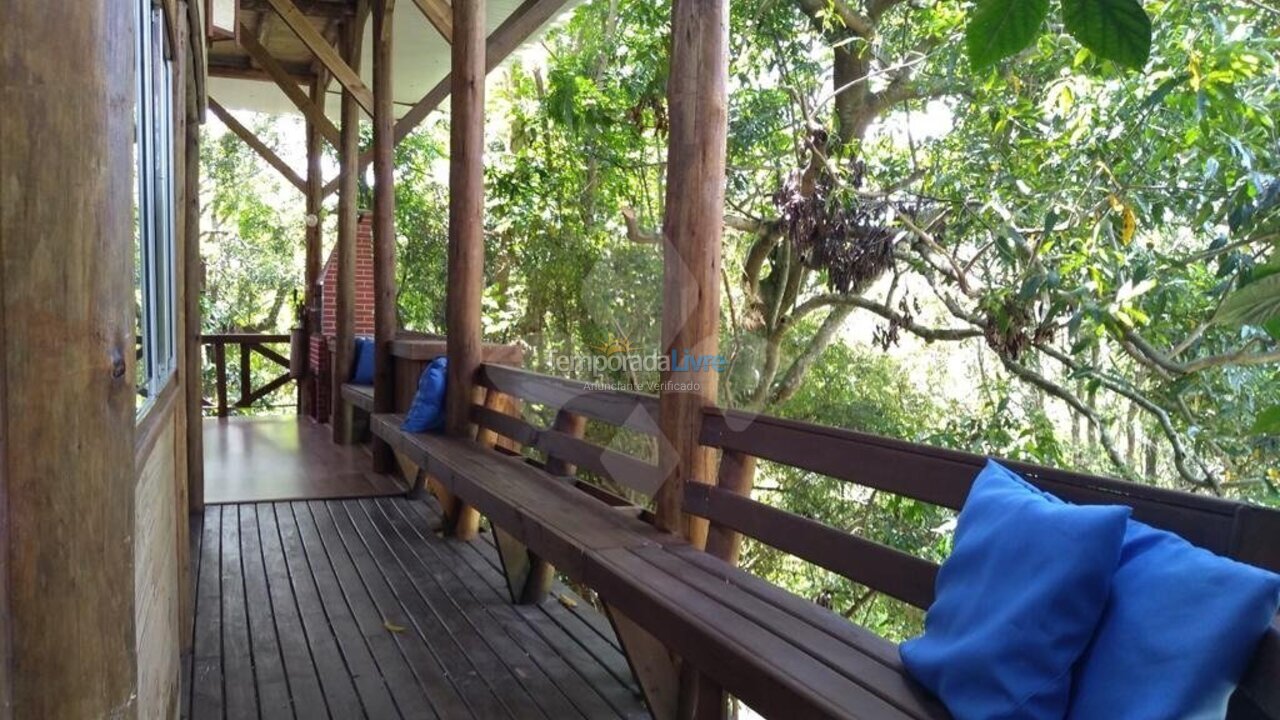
(384, 227)
(507, 426)
(634, 411)
(220, 372)
(265, 152)
(400, 679)
(1259, 693)
(67, 382)
(652, 664)
(621, 468)
(303, 677)
(890, 571)
(345, 251)
(360, 396)
(943, 477)
(268, 664)
(734, 476)
(240, 693)
(284, 458)
(331, 656)
(206, 662)
(570, 425)
(697, 99)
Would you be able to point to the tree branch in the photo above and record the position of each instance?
(906, 323)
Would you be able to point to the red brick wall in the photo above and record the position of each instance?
(320, 352)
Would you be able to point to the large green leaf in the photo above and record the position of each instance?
(1268, 421)
(1000, 28)
(1257, 303)
(1118, 30)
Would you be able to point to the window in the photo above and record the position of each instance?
(154, 211)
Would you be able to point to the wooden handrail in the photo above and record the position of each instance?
(248, 344)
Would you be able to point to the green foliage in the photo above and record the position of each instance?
(1118, 30)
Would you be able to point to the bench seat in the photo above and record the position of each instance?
(360, 396)
(780, 654)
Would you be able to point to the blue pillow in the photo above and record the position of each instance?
(427, 411)
(1177, 633)
(1017, 601)
(363, 374)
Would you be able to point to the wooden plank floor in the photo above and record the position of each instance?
(264, 459)
(356, 609)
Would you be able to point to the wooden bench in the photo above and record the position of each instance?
(780, 654)
(360, 396)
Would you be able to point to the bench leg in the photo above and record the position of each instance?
(528, 576)
(652, 664)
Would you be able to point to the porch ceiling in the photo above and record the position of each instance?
(420, 60)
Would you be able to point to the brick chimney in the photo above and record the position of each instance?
(321, 344)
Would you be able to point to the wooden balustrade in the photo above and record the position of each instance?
(247, 344)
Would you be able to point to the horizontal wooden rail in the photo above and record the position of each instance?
(634, 411)
(247, 344)
(943, 477)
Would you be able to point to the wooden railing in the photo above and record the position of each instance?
(247, 344)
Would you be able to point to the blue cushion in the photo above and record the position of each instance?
(1177, 633)
(363, 374)
(1017, 601)
(427, 411)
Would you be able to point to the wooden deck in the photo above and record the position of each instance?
(265, 459)
(356, 608)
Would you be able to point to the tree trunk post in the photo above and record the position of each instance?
(348, 188)
(384, 228)
(466, 233)
(67, 367)
(692, 230)
(311, 272)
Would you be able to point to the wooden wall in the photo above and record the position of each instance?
(156, 576)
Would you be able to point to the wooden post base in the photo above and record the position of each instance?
(528, 576)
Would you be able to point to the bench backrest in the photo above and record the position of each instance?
(943, 477)
(562, 443)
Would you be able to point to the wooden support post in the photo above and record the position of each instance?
(692, 229)
(736, 473)
(246, 377)
(193, 385)
(220, 367)
(348, 156)
(466, 229)
(571, 424)
(311, 266)
(67, 382)
(697, 102)
(183, 101)
(384, 228)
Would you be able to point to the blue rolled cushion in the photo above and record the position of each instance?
(1177, 633)
(427, 411)
(363, 374)
(1017, 601)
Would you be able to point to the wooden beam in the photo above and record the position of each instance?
(531, 15)
(67, 373)
(258, 146)
(439, 14)
(692, 229)
(324, 52)
(342, 419)
(466, 221)
(310, 109)
(384, 226)
(297, 74)
(735, 475)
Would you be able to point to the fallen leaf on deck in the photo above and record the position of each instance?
(392, 626)
(567, 601)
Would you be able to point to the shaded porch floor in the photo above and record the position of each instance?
(270, 458)
(356, 608)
